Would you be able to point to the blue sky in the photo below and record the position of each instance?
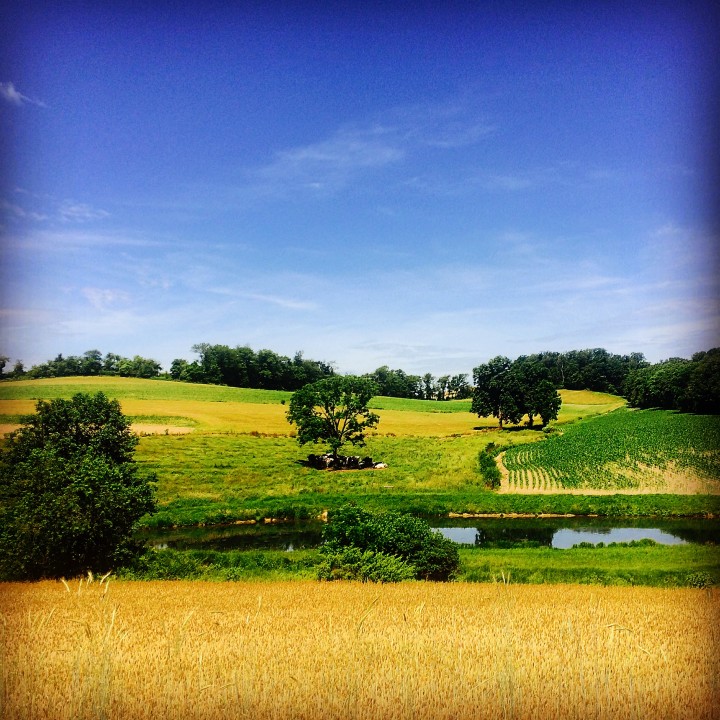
(418, 187)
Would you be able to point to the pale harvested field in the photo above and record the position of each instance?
(270, 418)
(242, 417)
(311, 650)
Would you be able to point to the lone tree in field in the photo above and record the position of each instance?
(70, 491)
(333, 410)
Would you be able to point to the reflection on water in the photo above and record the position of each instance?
(282, 536)
(559, 538)
(566, 538)
(484, 532)
(566, 532)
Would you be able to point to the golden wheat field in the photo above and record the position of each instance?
(311, 650)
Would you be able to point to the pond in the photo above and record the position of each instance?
(484, 532)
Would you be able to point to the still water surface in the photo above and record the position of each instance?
(567, 537)
(485, 532)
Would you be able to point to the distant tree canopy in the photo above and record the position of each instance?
(678, 384)
(243, 367)
(593, 369)
(91, 362)
(510, 390)
(396, 383)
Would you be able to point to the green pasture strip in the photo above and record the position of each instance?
(225, 477)
(304, 506)
(231, 467)
(11, 419)
(642, 563)
(269, 565)
(135, 389)
(176, 420)
(141, 389)
(609, 451)
(622, 564)
(380, 402)
(187, 512)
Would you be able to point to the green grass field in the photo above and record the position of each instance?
(623, 564)
(237, 457)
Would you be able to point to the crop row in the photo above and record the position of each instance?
(620, 450)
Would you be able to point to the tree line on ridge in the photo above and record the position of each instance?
(680, 384)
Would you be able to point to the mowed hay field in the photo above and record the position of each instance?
(159, 405)
(311, 650)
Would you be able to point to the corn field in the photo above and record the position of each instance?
(310, 650)
(622, 451)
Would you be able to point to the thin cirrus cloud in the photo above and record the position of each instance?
(12, 95)
(282, 301)
(27, 206)
(61, 240)
(104, 298)
(332, 163)
(81, 212)
(288, 303)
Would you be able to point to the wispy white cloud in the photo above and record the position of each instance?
(104, 298)
(328, 165)
(283, 301)
(289, 303)
(60, 240)
(12, 95)
(20, 213)
(80, 212)
(332, 163)
(27, 207)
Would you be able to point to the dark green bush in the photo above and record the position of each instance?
(367, 566)
(699, 579)
(488, 469)
(71, 492)
(400, 536)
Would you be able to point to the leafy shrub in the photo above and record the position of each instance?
(367, 566)
(164, 565)
(700, 580)
(488, 469)
(400, 536)
(70, 490)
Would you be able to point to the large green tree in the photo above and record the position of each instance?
(510, 390)
(70, 490)
(537, 394)
(334, 411)
(496, 392)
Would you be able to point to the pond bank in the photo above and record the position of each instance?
(471, 503)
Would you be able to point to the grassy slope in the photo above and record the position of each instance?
(241, 459)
